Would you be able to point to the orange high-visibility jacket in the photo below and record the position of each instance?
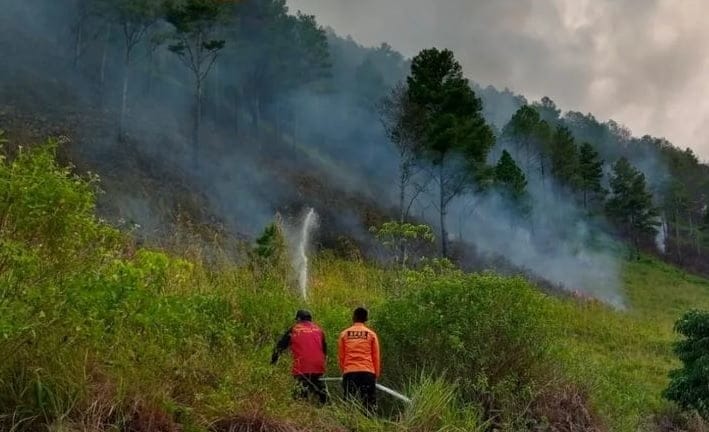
(358, 350)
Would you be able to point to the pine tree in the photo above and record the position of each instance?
(548, 111)
(675, 205)
(590, 175)
(530, 135)
(705, 225)
(523, 123)
(403, 126)
(371, 82)
(630, 204)
(134, 18)
(565, 158)
(510, 177)
(195, 23)
(513, 184)
(456, 137)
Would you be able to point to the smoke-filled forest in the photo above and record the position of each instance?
(270, 90)
(184, 132)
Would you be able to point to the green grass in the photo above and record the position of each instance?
(626, 355)
(98, 335)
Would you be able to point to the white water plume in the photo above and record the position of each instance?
(300, 257)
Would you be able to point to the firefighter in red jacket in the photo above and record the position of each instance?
(309, 348)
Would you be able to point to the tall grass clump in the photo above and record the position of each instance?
(437, 406)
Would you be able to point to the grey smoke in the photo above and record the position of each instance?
(338, 141)
(557, 242)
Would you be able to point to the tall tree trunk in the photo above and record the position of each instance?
(236, 112)
(217, 93)
(197, 124)
(153, 65)
(678, 245)
(255, 112)
(102, 73)
(443, 214)
(124, 97)
(294, 128)
(694, 234)
(78, 41)
(276, 121)
(402, 191)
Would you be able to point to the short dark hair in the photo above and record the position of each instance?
(360, 315)
(303, 315)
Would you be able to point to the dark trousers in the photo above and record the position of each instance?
(310, 384)
(361, 386)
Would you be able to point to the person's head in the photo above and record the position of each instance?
(360, 315)
(303, 315)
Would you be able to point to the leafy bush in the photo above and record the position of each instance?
(404, 241)
(86, 330)
(490, 334)
(689, 386)
(50, 209)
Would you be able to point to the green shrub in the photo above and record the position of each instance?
(50, 209)
(490, 334)
(689, 386)
(403, 241)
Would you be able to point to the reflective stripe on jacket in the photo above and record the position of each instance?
(358, 350)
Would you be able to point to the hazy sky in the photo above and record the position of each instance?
(644, 63)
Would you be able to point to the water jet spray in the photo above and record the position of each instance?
(300, 260)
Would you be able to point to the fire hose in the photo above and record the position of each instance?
(380, 387)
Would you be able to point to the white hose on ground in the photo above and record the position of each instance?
(380, 387)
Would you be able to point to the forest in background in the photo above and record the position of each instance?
(232, 94)
(147, 243)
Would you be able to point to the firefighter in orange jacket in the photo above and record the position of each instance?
(360, 363)
(307, 343)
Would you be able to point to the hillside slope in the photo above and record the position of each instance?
(101, 335)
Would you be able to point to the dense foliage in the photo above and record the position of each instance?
(454, 137)
(689, 386)
(496, 334)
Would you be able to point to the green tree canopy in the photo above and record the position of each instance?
(371, 81)
(512, 183)
(524, 122)
(548, 110)
(689, 386)
(194, 43)
(630, 204)
(456, 139)
(286, 52)
(403, 240)
(530, 135)
(510, 177)
(565, 158)
(590, 174)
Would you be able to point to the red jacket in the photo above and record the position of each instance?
(307, 343)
